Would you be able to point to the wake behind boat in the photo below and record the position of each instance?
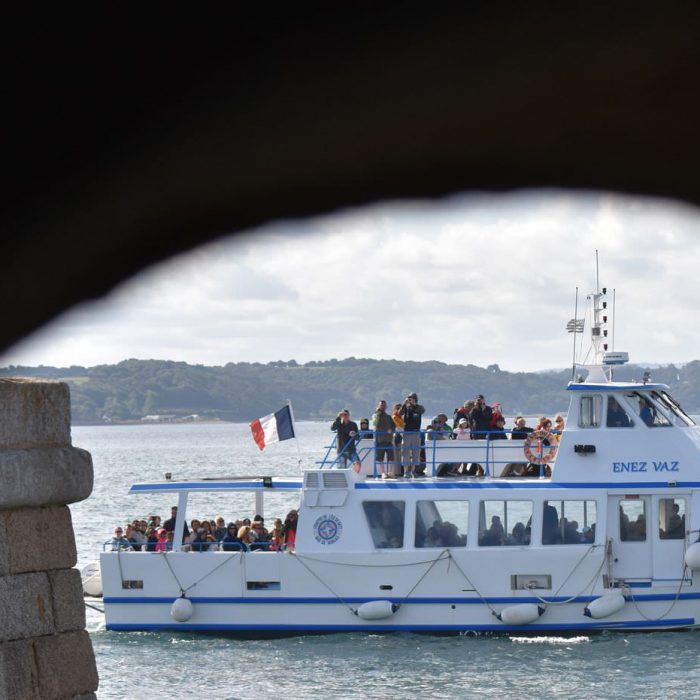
(603, 537)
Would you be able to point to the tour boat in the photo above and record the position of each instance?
(603, 536)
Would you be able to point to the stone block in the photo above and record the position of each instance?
(66, 665)
(18, 672)
(4, 549)
(37, 539)
(26, 608)
(67, 600)
(40, 477)
(34, 413)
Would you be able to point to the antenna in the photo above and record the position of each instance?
(613, 321)
(573, 364)
(597, 281)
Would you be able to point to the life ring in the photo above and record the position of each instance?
(542, 453)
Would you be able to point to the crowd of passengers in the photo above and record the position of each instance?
(205, 535)
(399, 442)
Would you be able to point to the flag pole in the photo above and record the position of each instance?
(296, 438)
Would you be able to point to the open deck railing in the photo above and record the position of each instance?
(497, 457)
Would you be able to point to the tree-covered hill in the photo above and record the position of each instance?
(242, 391)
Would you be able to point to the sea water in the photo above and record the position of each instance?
(149, 664)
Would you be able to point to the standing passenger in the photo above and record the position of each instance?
(383, 440)
(480, 418)
(347, 434)
(411, 411)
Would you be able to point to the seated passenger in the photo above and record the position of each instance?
(244, 536)
(571, 533)
(499, 432)
(559, 424)
(161, 545)
(462, 432)
(230, 541)
(119, 541)
(449, 534)
(495, 535)
(151, 539)
(517, 535)
(436, 430)
(550, 525)
(646, 412)
(521, 430)
(617, 418)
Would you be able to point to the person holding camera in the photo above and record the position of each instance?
(480, 418)
(411, 412)
(347, 439)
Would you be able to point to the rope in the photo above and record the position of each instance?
(675, 598)
(94, 607)
(425, 573)
(589, 584)
(474, 588)
(183, 591)
(322, 582)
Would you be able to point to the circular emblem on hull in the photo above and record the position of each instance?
(328, 529)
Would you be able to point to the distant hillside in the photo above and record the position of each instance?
(242, 391)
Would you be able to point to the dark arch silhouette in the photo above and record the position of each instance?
(129, 144)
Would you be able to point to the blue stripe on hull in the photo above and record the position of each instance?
(456, 629)
(412, 601)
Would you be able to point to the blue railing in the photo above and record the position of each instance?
(436, 446)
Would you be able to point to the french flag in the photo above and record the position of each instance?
(276, 427)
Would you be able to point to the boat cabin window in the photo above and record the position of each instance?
(680, 417)
(568, 522)
(672, 518)
(504, 523)
(385, 520)
(617, 416)
(633, 520)
(590, 412)
(441, 523)
(648, 410)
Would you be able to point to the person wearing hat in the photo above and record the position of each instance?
(411, 412)
(347, 437)
(436, 430)
(462, 432)
(480, 418)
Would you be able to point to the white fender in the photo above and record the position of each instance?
(182, 609)
(376, 610)
(522, 614)
(606, 605)
(91, 578)
(692, 557)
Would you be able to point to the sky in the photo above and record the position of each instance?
(472, 279)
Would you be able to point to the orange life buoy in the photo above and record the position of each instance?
(536, 450)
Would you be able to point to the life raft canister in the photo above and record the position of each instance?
(541, 454)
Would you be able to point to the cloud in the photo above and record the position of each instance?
(471, 279)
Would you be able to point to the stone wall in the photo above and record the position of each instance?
(45, 651)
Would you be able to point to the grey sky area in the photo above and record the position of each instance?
(472, 279)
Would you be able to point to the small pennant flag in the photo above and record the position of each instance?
(575, 325)
(275, 427)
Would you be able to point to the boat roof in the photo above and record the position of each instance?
(244, 483)
(615, 386)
